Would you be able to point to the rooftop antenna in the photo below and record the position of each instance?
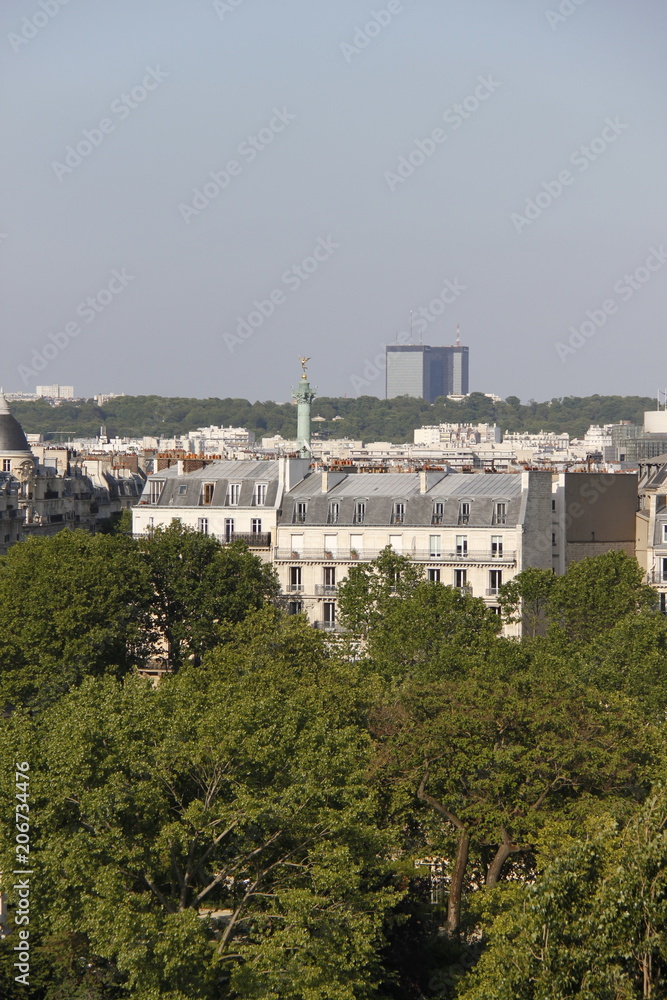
(458, 334)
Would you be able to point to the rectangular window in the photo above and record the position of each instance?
(464, 512)
(398, 516)
(329, 576)
(329, 612)
(334, 512)
(300, 511)
(434, 546)
(500, 512)
(233, 494)
(229, 528)
(207, 493)
(256, 525)
(297, 545)
(260, 494)
(438, 513)
(182, 490)
(462, 545)
(356, 545)
(497, 546)
(434, 576)
(202, 525)
(156, 489)
(664, 533)
(663, 577)
(6, 465)
(663, 603)
(460, 578)
(553, 538)
(396, 543)
(330, 543)
(295, 579)
(294, 607)
(359, 511)
(495, 580)
(553, 506)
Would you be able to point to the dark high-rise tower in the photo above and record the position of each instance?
(427, 372)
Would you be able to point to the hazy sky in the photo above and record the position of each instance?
(371, 159)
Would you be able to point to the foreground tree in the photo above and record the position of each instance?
(215, 837)
(200, 586)
(594, 925)
(493, 754)
(71, 605)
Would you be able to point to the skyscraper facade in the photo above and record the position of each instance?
(426, 372)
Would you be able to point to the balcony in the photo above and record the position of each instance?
(492, 591)
(299, 517)
(253, 539)
(465, 590)
(328, 627)
(508, 557)
(295, 588)
(325, 590)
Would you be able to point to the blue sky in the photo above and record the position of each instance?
(197, 192)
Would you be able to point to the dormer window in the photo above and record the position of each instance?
(500, 512)
(207, 493)
(155, 490)
(398, 512)
(300, 512)
(334, 512)
(260, 494)
(233, 494)
(464, 512)
(438, 513)
(359, 511)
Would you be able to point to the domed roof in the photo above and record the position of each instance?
(12, 438)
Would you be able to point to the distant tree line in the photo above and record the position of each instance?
(367, 417)
(414, 808)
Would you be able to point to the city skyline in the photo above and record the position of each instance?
(201, 195)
